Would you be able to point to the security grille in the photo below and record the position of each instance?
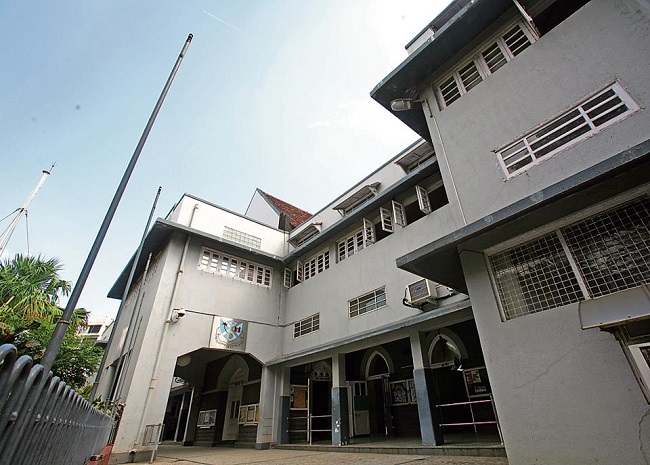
(612, 250)
(588, 118)
(534, 277)
(609, 252)
(367, 302)
(306, 326)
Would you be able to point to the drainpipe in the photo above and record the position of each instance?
(179, 273)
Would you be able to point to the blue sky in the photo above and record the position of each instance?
(271, 94)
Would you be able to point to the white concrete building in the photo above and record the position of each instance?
(503, 259)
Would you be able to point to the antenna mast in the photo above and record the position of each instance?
(6, 235)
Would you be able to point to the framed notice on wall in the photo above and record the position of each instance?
(207, 418)
(402, 392)
(476, 382)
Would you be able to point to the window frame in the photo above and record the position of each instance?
(306, 326)
(378, 300)
(234, 267)
(478, 59)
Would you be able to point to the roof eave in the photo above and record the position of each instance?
(404, 81)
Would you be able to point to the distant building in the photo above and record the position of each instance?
(501, 262)
(96, 328)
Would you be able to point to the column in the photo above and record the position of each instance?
(425, 389)
(340, 410)
(267, 406)
(283, 380)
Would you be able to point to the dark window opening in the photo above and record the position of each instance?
(556, 13)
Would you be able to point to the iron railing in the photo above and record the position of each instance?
(42, 419)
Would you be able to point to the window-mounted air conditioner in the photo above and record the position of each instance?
(427, 291)
(421, 291)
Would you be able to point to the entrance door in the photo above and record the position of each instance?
(359, 408)
(231, 422)
(381, 421)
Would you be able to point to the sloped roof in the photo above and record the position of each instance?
(296, 215)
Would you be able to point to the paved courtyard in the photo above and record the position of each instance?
(178, 455)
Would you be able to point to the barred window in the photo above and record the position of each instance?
(367, 302)
(597, 256)
(306, 326)
(318, 264)
(612, 250)
(589, 117)
(534, 277)
(351, 245)
(491, 56)
(234, 267)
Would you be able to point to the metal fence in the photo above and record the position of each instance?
(42, 419)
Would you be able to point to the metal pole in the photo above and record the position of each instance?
(100, 370)
(62, 325)
(6, 235)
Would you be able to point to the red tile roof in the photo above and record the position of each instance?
(296, 215)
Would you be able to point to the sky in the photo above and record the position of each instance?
(271, 94)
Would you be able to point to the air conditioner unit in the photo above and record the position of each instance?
(421, 291)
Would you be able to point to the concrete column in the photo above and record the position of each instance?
(340, 408)
(193, 414)
(283, 380)
(425, 389)
(267, 406)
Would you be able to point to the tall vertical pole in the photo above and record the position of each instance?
(6, 235)
(62, 325)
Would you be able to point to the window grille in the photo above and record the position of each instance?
(609, 252)
(243, 238)
(612, 250)
(534, 277)
(489, 58)
(590, 117)
(288, 275)
(399, 214)
(367, 302)
(233, 267)
(368, 232)
(306, 326)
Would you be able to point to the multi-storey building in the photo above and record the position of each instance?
(503, 259)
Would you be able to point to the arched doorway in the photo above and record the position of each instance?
(378, 369)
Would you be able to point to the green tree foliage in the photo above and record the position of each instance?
(30, 288)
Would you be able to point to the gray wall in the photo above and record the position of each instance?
(563, 395)
(606, 40)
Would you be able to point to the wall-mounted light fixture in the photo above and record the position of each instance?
(406, 104)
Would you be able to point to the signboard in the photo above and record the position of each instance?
(402, 392)
(476, 382)
(228, 334)
(207, 418)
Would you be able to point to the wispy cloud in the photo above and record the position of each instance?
(222, 21)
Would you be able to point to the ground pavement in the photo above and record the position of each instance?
(177, 455)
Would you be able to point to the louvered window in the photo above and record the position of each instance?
(590, 117)
(491, 56)
(233, 267)
(597, 256)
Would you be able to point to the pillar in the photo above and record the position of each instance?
(425, 389)
(283, 381)
(340, 408)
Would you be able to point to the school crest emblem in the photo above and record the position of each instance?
(229, 334)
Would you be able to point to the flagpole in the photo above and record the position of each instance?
(62, 325)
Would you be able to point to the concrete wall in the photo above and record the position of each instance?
(604, 41)
(373, 267)
(204, 216)
(260, 210)
(563, 395)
